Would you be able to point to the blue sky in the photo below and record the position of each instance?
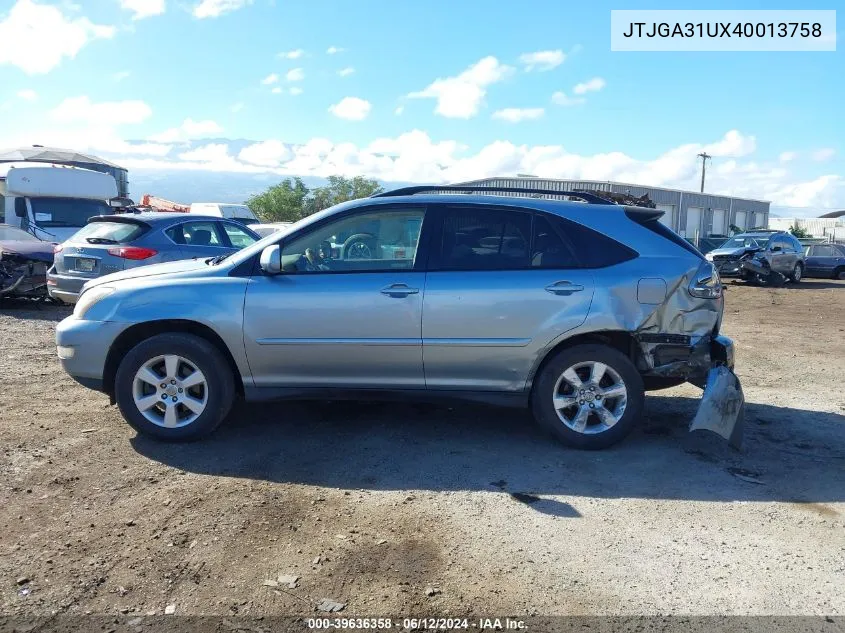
(126, 74)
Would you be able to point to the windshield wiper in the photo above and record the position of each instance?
(216, 260)
(101, 240)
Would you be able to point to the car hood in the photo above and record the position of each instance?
(29, 249)
(183, 267)
(732, 251)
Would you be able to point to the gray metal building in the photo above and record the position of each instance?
(41, 154)
(686, 212)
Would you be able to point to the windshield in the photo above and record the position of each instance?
(108, 233)
(59, 212)
(744, 241)
(247, 221)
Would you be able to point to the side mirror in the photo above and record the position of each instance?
(120, 203)
(271, 260)
(20, 207)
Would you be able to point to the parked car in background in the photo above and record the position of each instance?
(572, 309)
(111, 243)
(825, 260)
(271, 227)
(24, 260)
(758, 253)
(239, 212)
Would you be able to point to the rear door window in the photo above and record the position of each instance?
(196, 234)
(485, 239)
(109, 233)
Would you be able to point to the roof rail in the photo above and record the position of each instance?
(410, 191)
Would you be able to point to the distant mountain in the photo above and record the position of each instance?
(210, 186)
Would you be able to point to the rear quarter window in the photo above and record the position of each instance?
(594, 249)
(109, 232)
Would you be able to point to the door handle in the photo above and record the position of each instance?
(564, 288)
(399, 290)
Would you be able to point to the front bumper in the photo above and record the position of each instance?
(728, 268)
(83, 346)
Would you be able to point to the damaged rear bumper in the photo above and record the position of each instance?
(707, 362)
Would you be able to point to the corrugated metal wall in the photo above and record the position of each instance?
(757, 211)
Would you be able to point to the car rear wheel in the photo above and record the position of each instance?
(175, 387)
(797, 273)
(839, 273)
(589, 396)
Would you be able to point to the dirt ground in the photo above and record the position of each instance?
(416, 510)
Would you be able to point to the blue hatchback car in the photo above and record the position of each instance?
(112, 243)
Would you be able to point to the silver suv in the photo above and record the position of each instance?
(572, 309)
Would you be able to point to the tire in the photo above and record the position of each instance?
(839, 273)
(212, 398)
(797, 273)
(551, 381)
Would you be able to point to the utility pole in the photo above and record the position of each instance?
(703, 156)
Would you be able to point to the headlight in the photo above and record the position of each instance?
(709, 257)
(89, 298)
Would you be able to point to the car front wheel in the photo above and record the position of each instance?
(589, 396)
(797, 273)
(175, 387)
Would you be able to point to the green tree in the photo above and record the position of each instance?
(291, 200)
(799, 232)
(341, 189)
(284, 202)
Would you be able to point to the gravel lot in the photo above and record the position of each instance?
(418, 510)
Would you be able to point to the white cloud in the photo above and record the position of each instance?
(27, 94)
(351, 109)
(270, 79)
(36, 37)
(277, 90)
(460, 97)
(188, 130)
(732, 144)
(515, 115)
(120, 76)
(542, 60)
(334, 50)
(345, 72)
(237, 107)
(786, 157)
(295, 74)
(561, 98)
(268, 153)
(143, 8)
(216, 8)
(824, 154)
(294, 54)
(110, 113)
(207, 153)
(399, 110)
(295, 91)
(593, 85)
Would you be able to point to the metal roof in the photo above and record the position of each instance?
(529, 179)
(39, 153)
(834, 214)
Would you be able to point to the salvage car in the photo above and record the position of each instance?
(574, 310)
(825, 260)
(762, 256)
(24, 260)
(110, 243)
